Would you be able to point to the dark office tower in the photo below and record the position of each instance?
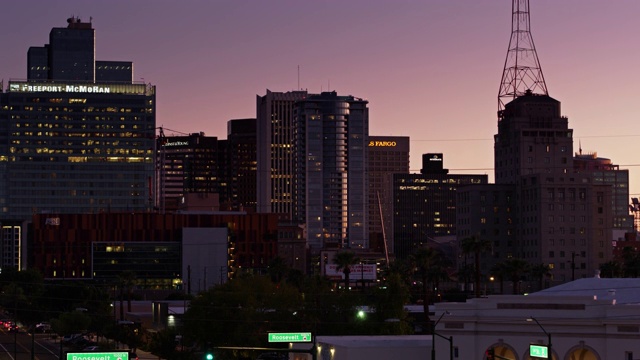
(72, 145)
(330, 192)
(187, 164)
(241, 167)
(38, 63)
(71, 56)
(114, 71)
(433, 164)
(71, 53)
(387, 155)
(274, 113)
(424, 207)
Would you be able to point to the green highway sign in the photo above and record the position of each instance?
(290, 337)
(113, 355)
(539, 351)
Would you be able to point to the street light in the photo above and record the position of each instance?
(531, 318)
(433, 338)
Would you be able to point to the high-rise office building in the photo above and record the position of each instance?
(330, 182)
(241, 168)
(71, 55)
(187, 164)
(424, 205)
(274, 113)
(541, 209)
(603, 171)
(387, 155)
(544, 208)
(71, 144)
(199, 164)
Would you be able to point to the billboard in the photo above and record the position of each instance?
(358, 272)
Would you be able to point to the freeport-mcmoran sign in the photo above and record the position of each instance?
(64, 88)
(84, 88)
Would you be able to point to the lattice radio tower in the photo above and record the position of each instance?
(522, 72)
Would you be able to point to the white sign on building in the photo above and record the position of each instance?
(358, 272)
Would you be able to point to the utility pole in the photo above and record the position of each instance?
(573, 265)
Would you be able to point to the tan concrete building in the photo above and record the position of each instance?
(587, 319)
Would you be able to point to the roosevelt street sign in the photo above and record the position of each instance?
(290, 337)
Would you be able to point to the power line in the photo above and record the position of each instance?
(491, 139)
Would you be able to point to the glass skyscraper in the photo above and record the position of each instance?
(330, 182)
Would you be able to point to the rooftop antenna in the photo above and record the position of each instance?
(299, 77)
(580, 146)
(522, 72)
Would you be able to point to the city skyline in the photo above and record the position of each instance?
(420, 65)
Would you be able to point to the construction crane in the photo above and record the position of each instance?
(384, 234)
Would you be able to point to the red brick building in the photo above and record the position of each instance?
(66, 246)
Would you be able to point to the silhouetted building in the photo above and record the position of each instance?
(424, 206)
(70, 55)
(544, 210)
(540, 210)
(241, 165)
(433, 164)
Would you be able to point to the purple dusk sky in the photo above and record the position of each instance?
(430, 69)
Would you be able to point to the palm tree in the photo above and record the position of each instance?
(401, 267)
(440, 271)
(539, 272)
(344, 260)
(465, 272)
(631, 262)
(126, 281)
(515, 269)
(424, 260)
(277, 269)
(611, 269)
(476, 246)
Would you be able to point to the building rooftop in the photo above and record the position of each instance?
(377, 341)
(622, 290)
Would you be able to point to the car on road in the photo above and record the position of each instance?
(92, 348)
(43, 327)
(81, 343)
(66, 340)
(8, 324)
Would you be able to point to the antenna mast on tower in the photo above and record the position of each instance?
(522, 72)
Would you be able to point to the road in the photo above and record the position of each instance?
(21, 346)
